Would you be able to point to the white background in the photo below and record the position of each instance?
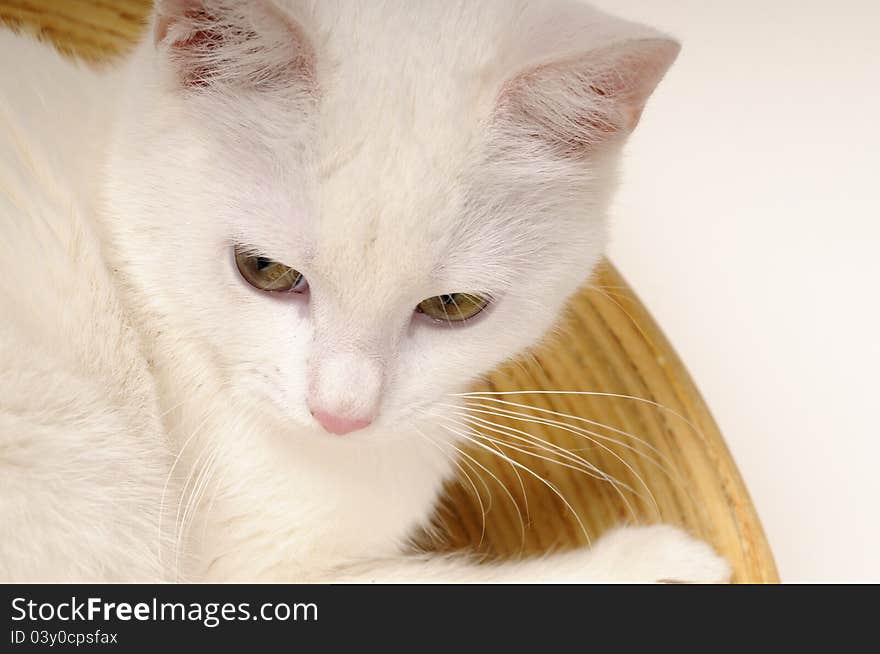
(749, 223)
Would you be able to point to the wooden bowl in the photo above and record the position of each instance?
(601, 424)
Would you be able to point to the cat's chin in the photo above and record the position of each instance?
(374, 435)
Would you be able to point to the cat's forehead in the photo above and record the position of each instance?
(390, 187)
(370, 233)
(400, 128)
(411, 83)
(396, 144)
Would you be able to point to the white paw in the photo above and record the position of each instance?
(657, 554)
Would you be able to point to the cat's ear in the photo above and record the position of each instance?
(576, 99)
(238, 43)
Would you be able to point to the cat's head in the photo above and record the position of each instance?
(354, 208)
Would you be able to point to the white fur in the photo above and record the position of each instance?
(155, 409)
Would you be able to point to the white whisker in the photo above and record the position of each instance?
(517, 464)
(593, 423)
(466, 475)
(542, 445)
(171, 474)
(522, 523)
(499, 482)
(621, 396)
(191, 499)
(586, 467)
(578, 431)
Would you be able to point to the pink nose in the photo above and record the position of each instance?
(338, 424)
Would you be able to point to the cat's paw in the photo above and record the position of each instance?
(658, 554)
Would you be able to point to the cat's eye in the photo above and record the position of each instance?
(453, 307)
(268, 275)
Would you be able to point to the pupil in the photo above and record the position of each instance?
(262, 262)
(447, 299)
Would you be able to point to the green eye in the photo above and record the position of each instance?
(453, 307)
(268, 275)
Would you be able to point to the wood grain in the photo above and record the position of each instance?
(666, 455)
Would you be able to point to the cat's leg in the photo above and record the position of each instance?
(653, 554)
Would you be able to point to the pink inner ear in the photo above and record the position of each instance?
(577, 105)
(634, 74)
(558, 106)
(195, 71)
(170, 12)
(245, 42)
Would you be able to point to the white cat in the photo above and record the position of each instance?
(242, 270)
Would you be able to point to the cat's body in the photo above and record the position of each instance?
(83, 452)
(155, 410)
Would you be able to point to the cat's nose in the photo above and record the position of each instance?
(339, 424)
